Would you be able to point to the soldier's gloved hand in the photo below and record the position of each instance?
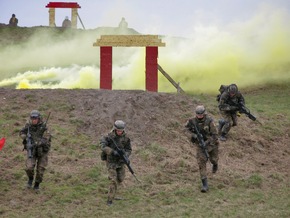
(207, 143)
(43, 141)
(115, 153)
(193, 138)
(234, 108)
(23, 136)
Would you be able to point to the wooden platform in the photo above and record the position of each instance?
(129, 41)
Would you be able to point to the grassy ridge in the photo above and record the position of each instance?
(250, 183)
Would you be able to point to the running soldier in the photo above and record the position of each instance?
(204, 135)
(115, 165)
(36, 140)
(228, 101)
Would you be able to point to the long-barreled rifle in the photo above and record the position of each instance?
(124, 158)
(201, 141)
(29, 145)
(244, 110)
(29, 140)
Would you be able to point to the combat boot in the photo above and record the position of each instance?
(214, 168)
(221, 124)
(204, 185)
(109, 202)
(29, 183)
(36, 186)
(223, 137)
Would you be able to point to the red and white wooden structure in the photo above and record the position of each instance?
(74, 11)
(151, 42)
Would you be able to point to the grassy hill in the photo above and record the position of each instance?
(252, 181)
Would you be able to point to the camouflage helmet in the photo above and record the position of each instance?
(233, 89)
(119, 125)
(34, 114)
(200, 110)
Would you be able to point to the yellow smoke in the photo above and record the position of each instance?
(252, 52)
(53, 78)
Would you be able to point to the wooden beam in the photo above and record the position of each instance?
(129, 41)
(63, 5)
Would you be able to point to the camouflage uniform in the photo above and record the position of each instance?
(115, 165)
(228, 111)
(207, 128)
(41, 140)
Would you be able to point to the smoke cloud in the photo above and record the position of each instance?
(252, 52)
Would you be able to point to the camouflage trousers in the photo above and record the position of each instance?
(40, 163)
(230, 119)
(116, 176)
(213, 151)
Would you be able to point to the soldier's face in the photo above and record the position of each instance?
(119, 132)
(199, 116)
(34, 120)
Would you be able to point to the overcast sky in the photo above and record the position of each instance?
(163, 17)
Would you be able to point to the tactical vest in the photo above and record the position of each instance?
(204, 127)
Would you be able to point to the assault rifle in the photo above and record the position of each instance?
(244, 110)
(124, 158)
(29, 143)
(29, 146)
(201, 141)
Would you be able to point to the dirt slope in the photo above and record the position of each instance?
(150, 117)
(161, 155)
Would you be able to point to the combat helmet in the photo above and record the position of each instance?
(35, 114)
(200, 110)
(119, 125)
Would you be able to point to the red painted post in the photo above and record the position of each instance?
(106, 67)
(151, 69)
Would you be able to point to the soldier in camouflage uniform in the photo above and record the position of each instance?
(115, 164)
(40, 139)
(206, 127)
(228, 109)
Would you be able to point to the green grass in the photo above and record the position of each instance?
(77, 184)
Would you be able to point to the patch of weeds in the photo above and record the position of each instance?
(181, 163)
(10, 116)
(236, 154)
(77, 122)
(45, 107)
(157, 149)
(29, 97)
(94, 147)
(65, 142)
(18, 174)
(145, 155)
(66, 107)
(153, 152)
(180, 192)
(95, 173)
(277, 177)
(254, 181)
(257, 196)
(19, 157)
(173, 124)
